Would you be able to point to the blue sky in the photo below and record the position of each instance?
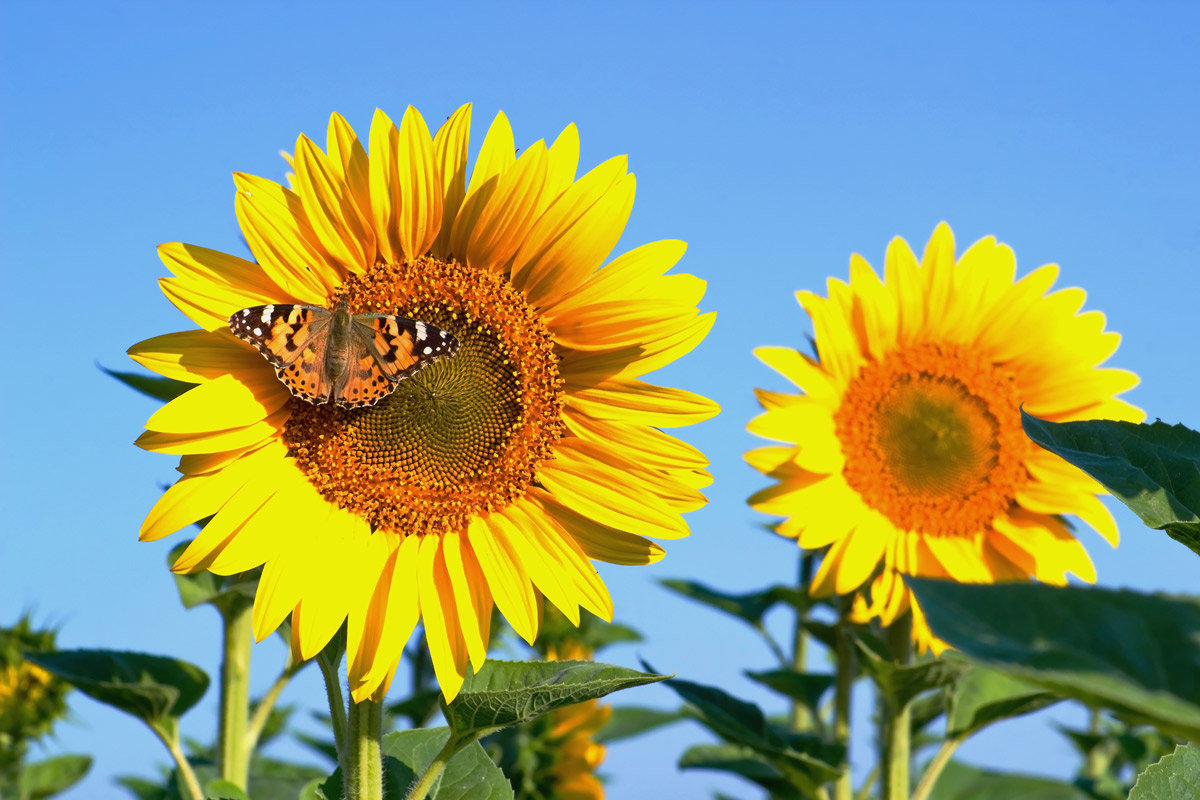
(775, 138)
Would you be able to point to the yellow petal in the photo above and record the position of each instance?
(419, 187)
(331, 209)
(617, 324)
(450, 154)
(215, 441)
(195, 356)
(225, 402)
(472, 599)
(507, 581)
(350, 158)
(400, 614)
(273, 221)
(633, 275)
(562, 162)
(643, 404)
(496, 156)
(589, 367)
(504, 222)
(383, 177)
(801, 370)
(597, 541)
(447, 648)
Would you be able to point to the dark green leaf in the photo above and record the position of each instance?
(277, 722)
(506, 693)
(47, 778)
(983, 696)
(165, 389)
(749, 607)
(628, 721)
(900, 684)
(1136, 654)
(143, 788)
(468, 775)
(323, 745)
(1154, 469)
(1174, 777)
(960, 781)
(271, 779)
(220, 789)
(146, 686)
(807, 687)
(741, 761)
(419, 708)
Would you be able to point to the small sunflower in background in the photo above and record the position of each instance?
(423, 398)
(903, 450)
(31, 699)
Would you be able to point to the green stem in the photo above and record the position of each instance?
(421, 788)
(170, 738)
(262, 712)
(897, 719)
(799, 717)
(233, 754)
(935, 767)
(1096, 762)
(843, 684)
(365, 757)
(337, 706)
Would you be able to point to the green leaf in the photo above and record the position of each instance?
(271, 779)
(741, 761)
(899, 684)
(419, 708)
(220, 789)
(629, 721)
(960, 781)
(47, 778)
(468, 775)
(205, 587)
(983, 696)
(165, 389)
(506, 693)
(749, 607)
(1173, 777)
(1154, 469)
(1136, 654)
(148, 687)
(806, 761)
(807, 687)
(143, 788)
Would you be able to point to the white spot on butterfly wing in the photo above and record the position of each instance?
(266, 314)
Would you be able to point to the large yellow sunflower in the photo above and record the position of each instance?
(495, 476)
(905, 454)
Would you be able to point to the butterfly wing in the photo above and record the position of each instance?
(293, 338)
(384, 351)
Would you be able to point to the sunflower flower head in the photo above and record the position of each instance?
(902, 452)
(494, 476)
(31, 699)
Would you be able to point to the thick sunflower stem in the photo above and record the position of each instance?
(844, 683)
(233, 747)
(365, 757)
(897, 719)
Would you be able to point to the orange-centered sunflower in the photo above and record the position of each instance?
(905, 454)
(496, 473)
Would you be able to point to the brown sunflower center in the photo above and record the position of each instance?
(459, 438)
(932, 438)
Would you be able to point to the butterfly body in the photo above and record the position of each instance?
(352, 360)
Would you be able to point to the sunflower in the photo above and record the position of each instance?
(904, 451)
(489, 479)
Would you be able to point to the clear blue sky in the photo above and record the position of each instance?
(776, 138)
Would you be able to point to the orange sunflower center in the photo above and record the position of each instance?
(932, 439)
(463, 436)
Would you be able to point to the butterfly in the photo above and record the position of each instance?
(353, 360)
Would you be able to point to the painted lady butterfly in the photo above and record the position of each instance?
(352, 360)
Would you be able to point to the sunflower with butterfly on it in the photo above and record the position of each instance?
(450, 415)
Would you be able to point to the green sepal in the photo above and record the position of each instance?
(152, 688)
(1154, 469)
(1136, 654)
(47, 778)
(1173, 777)
(507, 693)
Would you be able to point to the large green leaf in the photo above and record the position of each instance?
(960, 781)
(983, 696)
(470, 774)
(507, 693)
(1136, 654)
(741, 761)
(47, 778)
(1174, 777)
(1154, 469)
(164, 389)
(149, 687)
(806, 687)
